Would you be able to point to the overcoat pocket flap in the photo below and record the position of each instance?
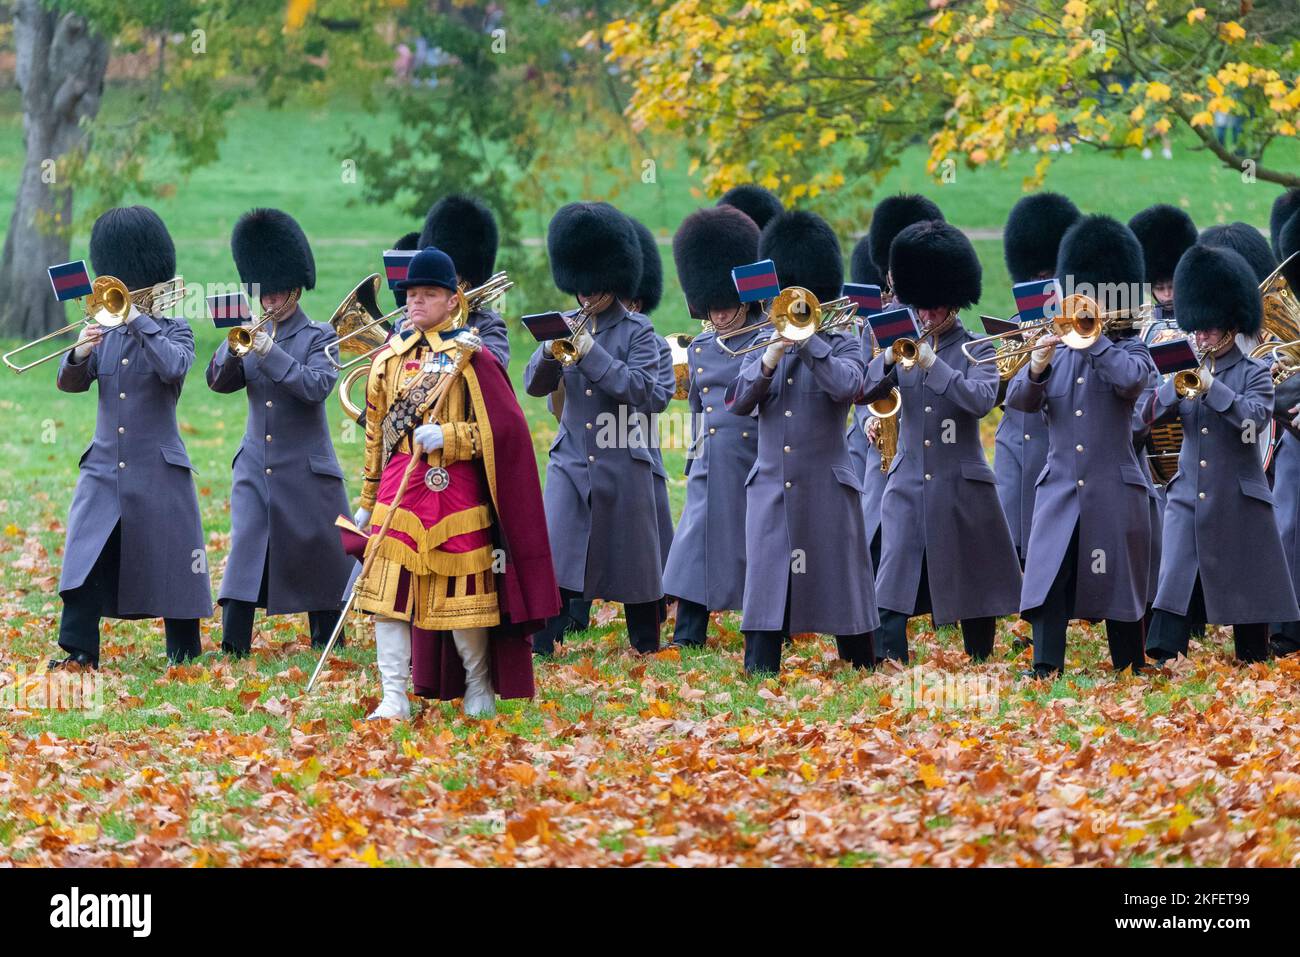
(174, 456)
(977, 471)
(844, 475)
(1255, 488)
(325, 465)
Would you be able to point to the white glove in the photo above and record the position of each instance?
(468, 340)
(890, 358)
(776, 347)
(926, 355)
(262, 342)
(429, 437)
(584, 342)
(1040, 359)
(92, 334)
(1207, 380)
(362, 519)
(873, 429)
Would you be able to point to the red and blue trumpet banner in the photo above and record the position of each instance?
(1037, 299)
(756, 281)
(70, 280)
(396, 263)
(892, 325)
(1174, 356)
(866, 297)
(229, 309)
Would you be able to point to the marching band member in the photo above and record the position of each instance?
(864, 428)
(408, 242)
(288, 487)
(134, 546)
(1090, 541)
(754, 201)
(1165, 232)
(600, 493)
(465, 229)
(1285, 637)
(1285, 206)
(945, 545)
(706, 566)
(802, 491)
(1222, 550)
(472, 498)
(1030, 241)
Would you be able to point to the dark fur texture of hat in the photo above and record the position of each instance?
(593, 248)
(1215, 288)
(1165, 232)
(1285, 206)
(271, 250)
(706, 247)
(1033, 234)
(132, 244)
(1288, 243)
(1246, 240)
(651, 289)
(754, 201)
(1098, 251)
(466, 230)
(861, 268)
(891, 216)
(934, 266)
(409, 241)
(806, 253)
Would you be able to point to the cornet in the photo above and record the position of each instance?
(107, 306)
(566, 350)
(797, 316)
(240, 339)
(1190, 383)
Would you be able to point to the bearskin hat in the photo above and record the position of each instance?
(651, 289)
(754, 201)
(1099, 251)
(1288, 244)
(861, 268)
(132, 244)
(1033, 234)
(409, 241)
(1245, 240)
(890, 217)
(1215, 288)
(1284, 208)
(934, 265)
(593, 248)
(805, 251)
(271, 250)
(1165, 232)
(466, 230)
(706, 247)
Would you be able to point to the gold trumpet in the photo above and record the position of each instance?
(1190, 383)
(107, 306)
(797, 316)
(566, 350)
(240, 339)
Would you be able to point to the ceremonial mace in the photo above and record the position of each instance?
(372, 546)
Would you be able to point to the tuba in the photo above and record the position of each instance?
(108, 305)
(1280, 337)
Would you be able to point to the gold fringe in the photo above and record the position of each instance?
(473, 519)
(434, 562)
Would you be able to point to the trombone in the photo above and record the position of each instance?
(797, 316)
(1079, 324)
(107, 306)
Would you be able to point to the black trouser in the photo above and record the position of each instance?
(237, 621)
(1170, 632)
(763, 648)
(1051, 619)
(692, 624)
(83, 607)
(643, 621)
(891, 637)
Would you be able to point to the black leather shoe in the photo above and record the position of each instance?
(1041, 673)
(82, 658)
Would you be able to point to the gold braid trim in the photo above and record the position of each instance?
(487, 444)
(441, 563)
(427, 539)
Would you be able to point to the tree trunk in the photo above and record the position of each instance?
(60, 72)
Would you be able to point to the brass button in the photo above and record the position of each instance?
(268, 403)
(928, 476)
(1204, 431)
(1026, 436)
(126, 362)
(699, 370)
(588, 425)
(1204, 463)
(712, 431)
(787, 484)
(1079, 380)
(929, 409)
(708, 408)
(591, 458)
(927, 443)
(121, 395)
(744, 435)
(588, 392)
(697, 350)
(1078, 412)
(789, 380)
(268, 438)
(787, 448)
(705, 389)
